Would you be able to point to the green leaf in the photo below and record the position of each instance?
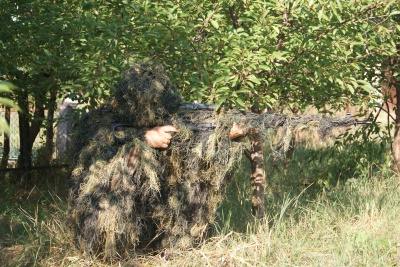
(366, 86)
(320, 13)
(8, 102)
(218, 80)
(4, 126)
(239, 102)
(397, 12)
(219, 102)
(6, 86)
(253, 79)
(383, 242)
(215, 24)
(223, 89)
(355, 65)
(264, 67)
(276, 29)
(235, 80)
(250, 84)
(336, 13)
(115, 69)
(279, 55)
(47, 52)
(351, 88)
(339, 4)
(243, 90)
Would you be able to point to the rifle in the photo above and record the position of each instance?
(194, 127)
(278, 120)
(274, 120)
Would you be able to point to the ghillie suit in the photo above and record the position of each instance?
(126, 196)
(168, 197)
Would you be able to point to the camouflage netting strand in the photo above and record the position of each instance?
(164, 197)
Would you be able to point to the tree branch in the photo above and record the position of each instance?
(234, 17)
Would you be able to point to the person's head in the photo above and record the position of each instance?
(145, 95)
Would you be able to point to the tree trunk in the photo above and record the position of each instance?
(49, 126)
(394, 85)
(36, 124)
(257, 179)
(396, 137)
(6, 147)
(25, 150)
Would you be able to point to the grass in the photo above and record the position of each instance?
(329, 207)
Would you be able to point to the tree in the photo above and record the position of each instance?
(52, 51)
(238, 54)
(268, 52)
(392, 94)
(33, 54)
(272, 53)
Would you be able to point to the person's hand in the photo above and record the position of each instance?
(238, 131)
(159, 137)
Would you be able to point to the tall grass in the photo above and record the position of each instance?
(357, 225)
(332, 206)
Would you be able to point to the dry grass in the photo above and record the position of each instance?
(354, 223)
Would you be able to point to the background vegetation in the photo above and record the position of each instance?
(275, 54)
(330, 206)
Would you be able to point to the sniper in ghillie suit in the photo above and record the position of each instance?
(128, 197)
(168, 197)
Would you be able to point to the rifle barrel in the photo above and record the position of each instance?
(197, 106)
(363, 122)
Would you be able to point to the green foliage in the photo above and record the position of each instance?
(274, 53)
(34, 44)
(332, 165)
(5, 89)
(232, 53)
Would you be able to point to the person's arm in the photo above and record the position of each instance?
(159, 137)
